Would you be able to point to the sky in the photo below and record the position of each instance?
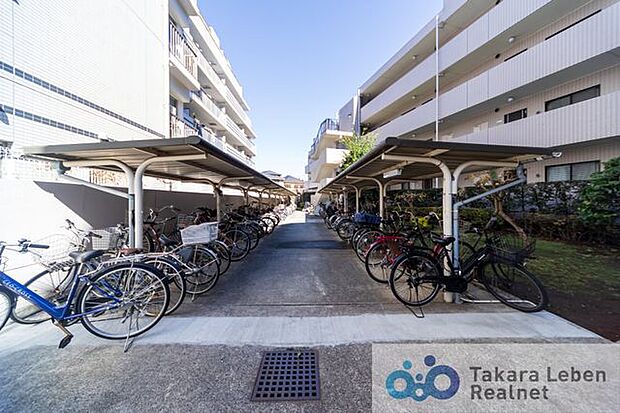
(300, 61)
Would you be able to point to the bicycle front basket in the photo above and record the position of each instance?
(60, 246)
(512, 249)
(199, 234)
(112, 238)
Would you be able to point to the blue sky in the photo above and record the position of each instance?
(299, 61)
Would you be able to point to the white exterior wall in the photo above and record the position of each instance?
(89, 49)
(477, 81)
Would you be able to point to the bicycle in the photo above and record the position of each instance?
(498, 264)
(113, 302)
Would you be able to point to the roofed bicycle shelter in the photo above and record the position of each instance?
(191, 159)
(398, 160)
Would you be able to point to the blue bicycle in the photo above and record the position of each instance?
(115, 302)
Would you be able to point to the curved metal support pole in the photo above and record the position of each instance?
(381, 191)
(138, 187)
(447, 196)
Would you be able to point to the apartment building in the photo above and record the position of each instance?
(89, 71)
(206, 98)
(325, 156)
(74, 71)
(509, 72)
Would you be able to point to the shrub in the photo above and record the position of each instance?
(600, 200)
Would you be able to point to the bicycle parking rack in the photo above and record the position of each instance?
(415, 160)
(190, 159)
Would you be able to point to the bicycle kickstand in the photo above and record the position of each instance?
(68, 336)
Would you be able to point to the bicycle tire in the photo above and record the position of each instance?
(204, 260)
(514, 298)
(365, 241)
(238, 243)
(176, 281)
(223, 253)
(407, 260)
(378, 263)
(53, 290)
(158, 281)
(6, 306)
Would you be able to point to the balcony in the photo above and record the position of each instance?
(239, 134)
(581, 122)
(239, 155)
(184, 53)
(328, 161)
(223, 91)
(463, 53)
(325, 126)
(180, 129)
(209, 106)
(539, 68)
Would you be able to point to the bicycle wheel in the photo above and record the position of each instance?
(223, 253)
(414, 279)
(204, 268)
(54, 286)
(174, 276)
(345, 229)
(514, 285)
(365, 242)
(378, 262)
(123, 300)
(6, 305)
(238, 243)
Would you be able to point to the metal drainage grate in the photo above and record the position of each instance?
(288, 375)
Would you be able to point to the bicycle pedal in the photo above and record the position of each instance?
(65, 341)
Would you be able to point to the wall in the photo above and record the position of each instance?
(35, 209)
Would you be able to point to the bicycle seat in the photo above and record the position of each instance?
(443, 241)
(82, 257)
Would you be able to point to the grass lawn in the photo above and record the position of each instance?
(583, 283)
(576, 267)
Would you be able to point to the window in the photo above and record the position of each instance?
(516, 115)
(576, 97)
(572, 172)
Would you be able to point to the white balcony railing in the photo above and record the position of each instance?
(211, 107)
(181, 49)
(180, 129)
(239, 133)
(230, 97)
(239, 155)
(221, 87)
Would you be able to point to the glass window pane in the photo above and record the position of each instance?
(582, 171)
(557, 103)
(558, 173)
(590, 93)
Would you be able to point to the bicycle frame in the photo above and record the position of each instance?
(63, 312)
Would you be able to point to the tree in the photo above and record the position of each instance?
(358, 146)
(493, 179)
(600, 200)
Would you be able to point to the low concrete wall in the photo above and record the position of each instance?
(37, 209)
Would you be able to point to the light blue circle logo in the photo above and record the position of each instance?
(420, 388)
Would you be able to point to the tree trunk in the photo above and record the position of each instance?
(499, 210)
